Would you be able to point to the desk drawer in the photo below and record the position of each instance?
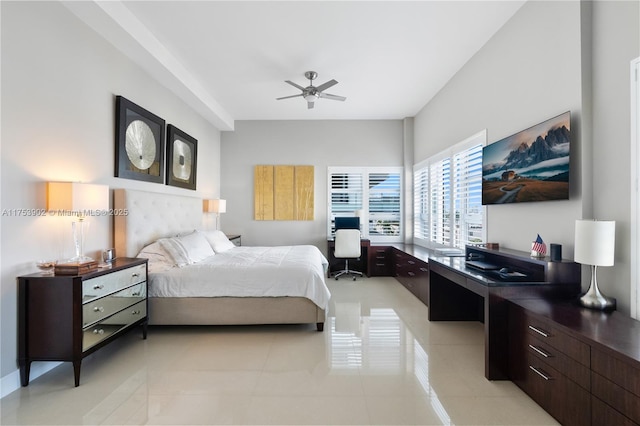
(619, 372)
(554, 338)
(562, 398)
(575, 371)
(603, 414)
(615, 396)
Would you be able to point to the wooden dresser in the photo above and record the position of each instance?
(581, 365)
(66, 318)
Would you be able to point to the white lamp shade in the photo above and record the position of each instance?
(595, 242)
(214, 206)
(77, 197)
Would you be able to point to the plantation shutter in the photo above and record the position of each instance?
(346, 195)
(384, 204)
(440, 202)
(467, 177)
(421, 203)
(374, 194)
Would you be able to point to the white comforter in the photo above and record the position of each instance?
(249, 272)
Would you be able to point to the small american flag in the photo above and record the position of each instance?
(539, 246)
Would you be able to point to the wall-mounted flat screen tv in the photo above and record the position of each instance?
(531, 165)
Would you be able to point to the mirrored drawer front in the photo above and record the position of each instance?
(109, 326)
(110, 283)
(106, 306)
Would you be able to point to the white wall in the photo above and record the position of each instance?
(549, 58)
(317, 143)
(59, 81)
(616, 42)
(528, 72)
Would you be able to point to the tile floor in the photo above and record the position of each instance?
(379, 361)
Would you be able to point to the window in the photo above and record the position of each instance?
(447, 193)
(373, 194)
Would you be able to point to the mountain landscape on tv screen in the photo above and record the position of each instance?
(517, 169)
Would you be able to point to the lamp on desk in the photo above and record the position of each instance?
(595, 246)
(79, 200)
(216, 206)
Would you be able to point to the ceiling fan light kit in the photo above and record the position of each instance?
(311, 93)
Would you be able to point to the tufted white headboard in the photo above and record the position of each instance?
(149, 216)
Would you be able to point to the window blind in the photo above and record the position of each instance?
(447, 195)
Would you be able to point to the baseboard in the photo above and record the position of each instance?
(11, 382)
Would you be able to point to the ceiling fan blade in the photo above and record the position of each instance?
(309, 105)
(287, 97)
(332, 97)
(294, 84)
(326, 85)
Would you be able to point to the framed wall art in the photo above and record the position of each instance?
(283, 192)
(182, 158)
(139, 143)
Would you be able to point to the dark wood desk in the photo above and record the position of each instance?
(362, 264)
(458, 292)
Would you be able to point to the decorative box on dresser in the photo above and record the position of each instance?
(67, 317)
(581, 365)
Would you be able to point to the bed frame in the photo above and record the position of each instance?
(151, 215)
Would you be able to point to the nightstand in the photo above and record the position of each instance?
(66, 318)
(235, 239)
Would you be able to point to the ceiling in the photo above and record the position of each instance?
(229, 59)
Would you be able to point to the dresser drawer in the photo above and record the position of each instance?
(111, 283)
(540, 349)
(106, 306)
(100, 331)
(554, 338)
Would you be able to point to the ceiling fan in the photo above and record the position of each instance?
(311, 93)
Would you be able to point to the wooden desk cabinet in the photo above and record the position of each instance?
(412, 273)
(581, 365)
(380, 263)
(552, 367)
(66, 318)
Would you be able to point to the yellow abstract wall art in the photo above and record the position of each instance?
(283, 192)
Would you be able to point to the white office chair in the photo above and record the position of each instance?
(347, 247)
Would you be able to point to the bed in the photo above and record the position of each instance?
(142, 218)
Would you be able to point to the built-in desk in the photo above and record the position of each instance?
(458, 292)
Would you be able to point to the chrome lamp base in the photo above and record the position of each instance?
(594, 299)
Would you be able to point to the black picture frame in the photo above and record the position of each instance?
(182, 158)
(144, 159)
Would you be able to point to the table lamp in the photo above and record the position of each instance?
(79, 200)
(595, 246)
(216, 206)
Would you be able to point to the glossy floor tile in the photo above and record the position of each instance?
(379, 361)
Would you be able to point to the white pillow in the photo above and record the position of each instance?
(218, 241)
(196, 246)
(175, 250)
(158, 257)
